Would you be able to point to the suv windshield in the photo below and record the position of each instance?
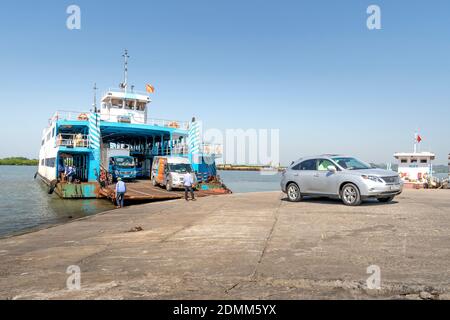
(180, 168)
(124, 162)
(351, 163)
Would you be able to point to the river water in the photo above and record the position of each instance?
(250, 181)
(25, 204)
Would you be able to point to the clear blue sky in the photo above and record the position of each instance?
(310, 68)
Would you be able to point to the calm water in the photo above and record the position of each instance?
(25, 204)
(250, 181)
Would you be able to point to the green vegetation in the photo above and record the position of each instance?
(18, 161)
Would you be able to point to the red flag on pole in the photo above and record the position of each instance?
(419, 138)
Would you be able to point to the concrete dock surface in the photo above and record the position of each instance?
(241, 246)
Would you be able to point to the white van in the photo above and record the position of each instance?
(169, 172)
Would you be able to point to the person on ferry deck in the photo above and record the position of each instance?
(121, 190)
(70, 173)
(78, 141)
(61, 171)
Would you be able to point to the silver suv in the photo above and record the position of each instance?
(342, 177)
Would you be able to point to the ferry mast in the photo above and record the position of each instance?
(95, 98)
(124, 85)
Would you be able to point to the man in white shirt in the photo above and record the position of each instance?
(188, 186)
(121, 189)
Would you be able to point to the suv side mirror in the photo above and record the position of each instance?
(332, 169)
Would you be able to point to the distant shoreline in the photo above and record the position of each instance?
(18, 165)
(19, 161)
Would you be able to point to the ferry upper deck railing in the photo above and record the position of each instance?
(84, 116)
(142, 93)
(70, 115)
(72, 141)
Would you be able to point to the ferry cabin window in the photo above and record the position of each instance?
(48, 136)
(53, 132)
(423, 161)
(117, 103)
(404, 161)
(129, 105)
(50, 162)
(141, 107)
(413, 160)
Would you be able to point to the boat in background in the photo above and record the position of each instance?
(415, 168)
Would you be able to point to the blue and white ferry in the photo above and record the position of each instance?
(121, 126)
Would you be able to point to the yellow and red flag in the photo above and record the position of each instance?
(150, 88)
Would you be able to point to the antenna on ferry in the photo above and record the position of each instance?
(125, 80)
(95, 97)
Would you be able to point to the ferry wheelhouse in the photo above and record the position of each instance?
(121, 125)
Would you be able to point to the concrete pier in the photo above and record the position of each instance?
(241, 246)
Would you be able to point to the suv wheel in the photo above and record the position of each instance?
(350, 195)
(293, 193)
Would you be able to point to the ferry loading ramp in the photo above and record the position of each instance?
(143, 190)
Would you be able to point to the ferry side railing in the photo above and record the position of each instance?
(72, 140)
(206, 149)
(183, 125)
(182, 149)
(212, 149)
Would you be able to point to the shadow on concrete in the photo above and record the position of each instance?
(325, 200)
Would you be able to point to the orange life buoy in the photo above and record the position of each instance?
(174, 125)
(83, 117)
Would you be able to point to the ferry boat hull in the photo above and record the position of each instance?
(85, 190)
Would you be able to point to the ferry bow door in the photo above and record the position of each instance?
(82, 164)
(79, 161)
